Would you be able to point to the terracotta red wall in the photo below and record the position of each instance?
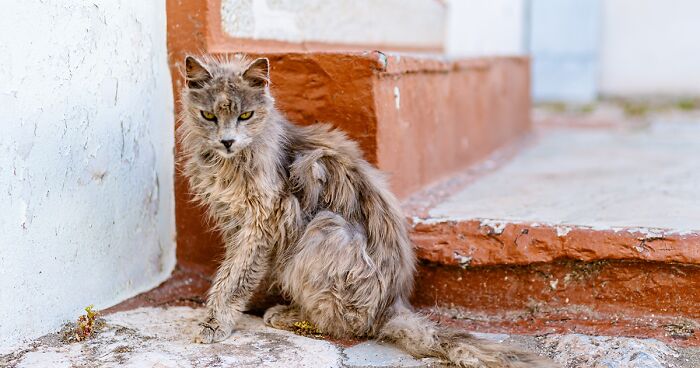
(437, 118)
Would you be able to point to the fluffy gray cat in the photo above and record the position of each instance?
(301, 205)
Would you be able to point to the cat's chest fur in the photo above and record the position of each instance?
(235, 198)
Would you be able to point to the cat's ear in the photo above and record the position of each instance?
(196, 74)
(258, 73)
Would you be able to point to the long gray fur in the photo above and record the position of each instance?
(301, 205)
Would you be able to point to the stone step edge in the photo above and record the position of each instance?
(486, 242)
(674, 331)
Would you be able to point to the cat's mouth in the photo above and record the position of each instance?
(228, 152)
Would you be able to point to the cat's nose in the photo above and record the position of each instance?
(227, 142)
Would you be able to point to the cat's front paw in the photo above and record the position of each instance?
(212, 331)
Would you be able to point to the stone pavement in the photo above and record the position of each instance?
(633, 177)
(156, 337)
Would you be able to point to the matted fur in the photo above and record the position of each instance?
(302, 205)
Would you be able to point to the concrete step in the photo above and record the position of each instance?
(162, 337)
(593, 230)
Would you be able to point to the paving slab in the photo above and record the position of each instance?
(162, 337)
(640, 177)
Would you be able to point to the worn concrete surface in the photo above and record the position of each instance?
(643, 176)
(154, 337)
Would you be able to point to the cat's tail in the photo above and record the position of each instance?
(421, 338)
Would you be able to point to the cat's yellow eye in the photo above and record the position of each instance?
(208, 116)
(245, 116)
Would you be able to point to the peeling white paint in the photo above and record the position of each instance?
(86, 159)
(647, 233)
(497, 227)
(462, 260)
(553, 284)
(563, 230)
(432, 220)
(397, 97)
(384, 60)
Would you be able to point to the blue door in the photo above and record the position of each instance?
(564, 40)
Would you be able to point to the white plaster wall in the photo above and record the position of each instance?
(651, 47)
(86, 159)
(413, 23)
(486, 27)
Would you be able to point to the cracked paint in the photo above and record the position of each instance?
(397, 98)
(496, 226)
(86, 161)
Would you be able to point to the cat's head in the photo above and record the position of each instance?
(226, 103)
